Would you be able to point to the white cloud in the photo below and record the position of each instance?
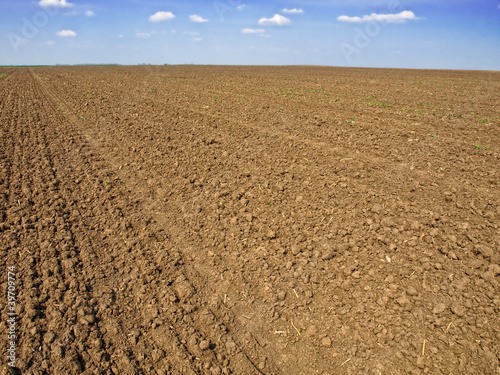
(55, 3)
(89, 13)
(277, 20)
(197, 18)
(253, 31)
(293, 11)
(143, 35)
(197, 39)
(241, 7)
(50, 43)
(119, 36)
(161, 16)
(390, 18)
(66, 33)
(191, 33)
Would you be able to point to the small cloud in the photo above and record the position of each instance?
(197, 39)
(50, 43)
(253, 31)
(293, 11)
(191, 33)
(173, 31)
(389, 18)
(197, 18)
(55, 3)
(89, 13)
(120, 36)
(143, 35)
(241, 7)
(276, 20)
(66, 33)
(161, 16)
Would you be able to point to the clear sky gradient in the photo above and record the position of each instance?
(458, 34)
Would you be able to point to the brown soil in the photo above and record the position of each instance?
(251, 220)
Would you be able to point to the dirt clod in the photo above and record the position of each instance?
(204, 345)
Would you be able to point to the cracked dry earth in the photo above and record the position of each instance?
(250, 220)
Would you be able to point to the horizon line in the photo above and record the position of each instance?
(245, 65)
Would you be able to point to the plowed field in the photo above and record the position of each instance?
(250, 220)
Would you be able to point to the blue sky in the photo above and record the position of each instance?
(459, 34)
